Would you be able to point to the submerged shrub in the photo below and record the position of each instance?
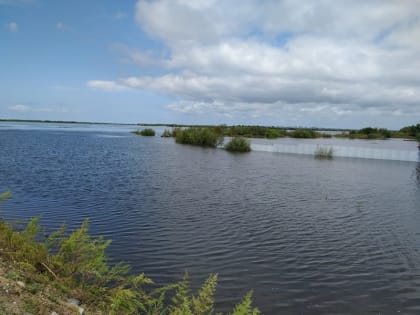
(324, 153)
(238, 144)
(205, 137)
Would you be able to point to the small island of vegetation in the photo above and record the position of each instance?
(272, 132)
(148, 132)
(238, 144)
(205, 137)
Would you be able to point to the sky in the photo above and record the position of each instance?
(326, 63)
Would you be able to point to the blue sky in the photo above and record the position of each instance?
(293, 63)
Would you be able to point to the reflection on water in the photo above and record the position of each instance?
(309, 237)
(348, 148)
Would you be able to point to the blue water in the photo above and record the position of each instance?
(308, 236)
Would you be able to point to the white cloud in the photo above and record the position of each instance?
(25, 108)
(12, 26)
(292, 57)
(19, 108)
(108, 86)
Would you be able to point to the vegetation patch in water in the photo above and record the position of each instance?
(324, 153)
(167, 134)
(148, 132)
(46, 270)
(205, 137)
(238, 144)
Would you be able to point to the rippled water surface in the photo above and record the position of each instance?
(308, 236)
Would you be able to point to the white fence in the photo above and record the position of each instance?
(341, 151)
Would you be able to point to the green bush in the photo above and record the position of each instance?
(238, 144)
(77, 264)
(272, 133)
(148, 132)
(205, 137)
(324, 153)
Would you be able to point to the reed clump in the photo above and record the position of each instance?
(167, 133)
(205, 137)
(238, 144)
(148, 132)
(324, 153)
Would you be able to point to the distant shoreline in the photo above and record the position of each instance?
(265, 126)
(64, 122)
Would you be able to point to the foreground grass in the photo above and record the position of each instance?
(62, 265)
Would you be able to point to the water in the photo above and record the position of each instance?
(308, 236)
(393, 149)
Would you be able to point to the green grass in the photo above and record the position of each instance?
(167, 134)
(324, 153)
(238, 144)
(205, 137)
(148, 132)
(75, 263)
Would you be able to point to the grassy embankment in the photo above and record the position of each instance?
(39, 272)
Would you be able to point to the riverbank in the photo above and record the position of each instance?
(54, 273)
(20, 294)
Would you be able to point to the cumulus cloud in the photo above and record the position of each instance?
(12, 26)
(108, 86)
(313, 58)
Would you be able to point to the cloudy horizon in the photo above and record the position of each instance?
(337, 64)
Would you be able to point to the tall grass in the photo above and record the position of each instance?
(205, 137)
(167, 134)
(324, 153)
(76, 263)
(148, 132)
(238, 144)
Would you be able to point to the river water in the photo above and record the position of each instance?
(309, 236)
